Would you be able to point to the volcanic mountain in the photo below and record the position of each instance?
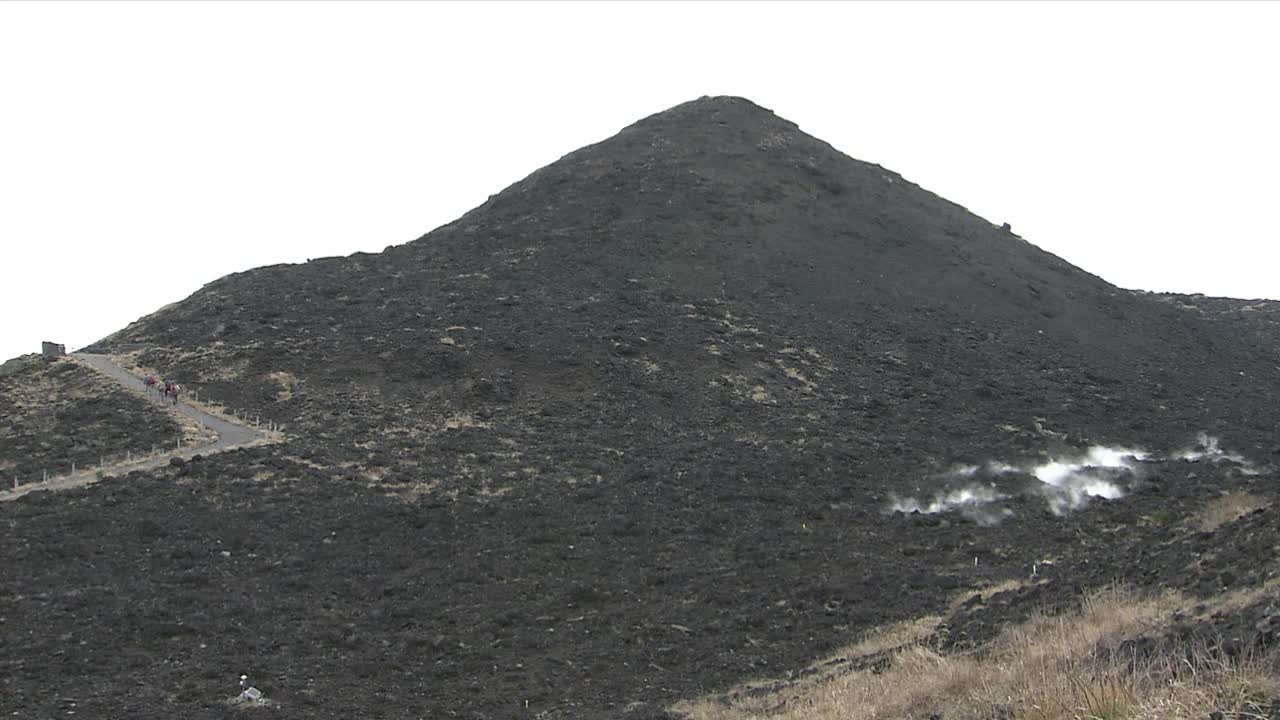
(635, 429)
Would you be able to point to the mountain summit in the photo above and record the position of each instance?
(655, 420)
(702, 256)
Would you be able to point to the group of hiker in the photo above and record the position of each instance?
(168, 390)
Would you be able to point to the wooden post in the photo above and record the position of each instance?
(128, 456)
(46, 476)
(179, 443)
(73, 467)
(15, 482)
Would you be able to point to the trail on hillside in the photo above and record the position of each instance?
(230, 435)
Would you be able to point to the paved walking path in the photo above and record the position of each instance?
(230, 434)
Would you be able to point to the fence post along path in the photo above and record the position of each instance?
(230, 434)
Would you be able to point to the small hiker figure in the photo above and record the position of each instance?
(168, 388)
(149, 382)
(173, 392)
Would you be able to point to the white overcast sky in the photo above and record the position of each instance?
(149, 148)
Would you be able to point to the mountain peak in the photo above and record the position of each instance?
(716, 113)
(657, 397)
(717, 108)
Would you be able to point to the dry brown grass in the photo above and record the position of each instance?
(1237, 600)
(874, 643)
(287, 383)
(1048, 668)
(963, 597)
(459, 421)
(413, 492)
(1228, 508)
(896, 636)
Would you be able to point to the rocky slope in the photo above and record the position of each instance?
(54, 414)
(635, 429)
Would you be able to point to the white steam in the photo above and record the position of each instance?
(952, 500)
(973, 502)
(1208, 448)
(1069, 484)
(1065, 483)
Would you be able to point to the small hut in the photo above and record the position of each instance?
(53, 350)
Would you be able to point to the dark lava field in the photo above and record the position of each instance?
(647, 424)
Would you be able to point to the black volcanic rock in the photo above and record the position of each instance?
(628, 432)
(659, 276)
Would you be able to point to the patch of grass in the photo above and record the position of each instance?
(286, 382)
(21, 364)
(460, 421)
(962, 598)
(893, 637)
(1071, 666)
(1228, 508)
(877, 642)
(1159, 518)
